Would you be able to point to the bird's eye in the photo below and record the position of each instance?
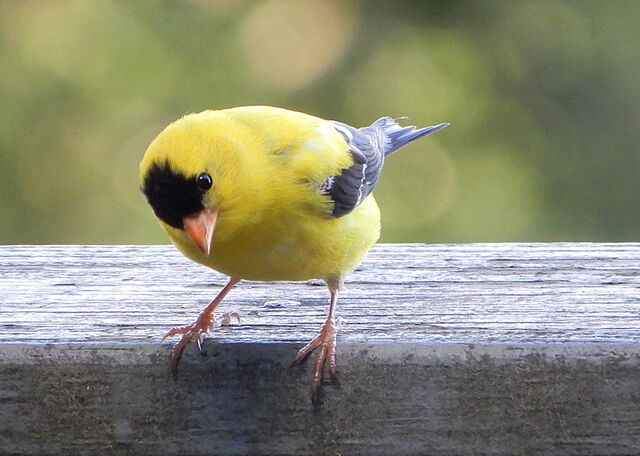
(204, 181)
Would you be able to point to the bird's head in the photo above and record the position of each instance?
(200, 177)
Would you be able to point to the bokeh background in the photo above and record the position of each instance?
(544, 98)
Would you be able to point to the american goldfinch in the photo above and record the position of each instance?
(264, 193)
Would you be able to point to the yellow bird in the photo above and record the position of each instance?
(264, 193)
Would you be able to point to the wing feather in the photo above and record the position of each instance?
(368, 146)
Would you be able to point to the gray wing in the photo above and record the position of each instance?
(368, 147)
(353, 184)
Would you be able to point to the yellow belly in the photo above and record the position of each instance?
(296, 246)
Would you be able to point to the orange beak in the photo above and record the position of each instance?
(200, 228)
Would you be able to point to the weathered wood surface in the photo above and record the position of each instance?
(475, 293)
(448, 350)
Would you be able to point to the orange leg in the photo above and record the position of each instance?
(199, 328)
(326, 342)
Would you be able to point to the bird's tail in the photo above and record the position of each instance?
(395, 136)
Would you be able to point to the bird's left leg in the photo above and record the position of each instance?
(325, 341)
(199, 328)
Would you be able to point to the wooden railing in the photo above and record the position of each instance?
(446, 349)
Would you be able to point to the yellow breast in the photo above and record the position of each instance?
(292, 246)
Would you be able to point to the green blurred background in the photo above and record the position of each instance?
(544, 98)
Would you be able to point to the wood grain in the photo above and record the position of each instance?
(472, 293)
(478, 349)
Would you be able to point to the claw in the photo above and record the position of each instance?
(199, 329)
(325, 341)
(226, 318)
(200, 339)
(172, 332)
(176, 353)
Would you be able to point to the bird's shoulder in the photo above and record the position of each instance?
(295, 142)
(339, 164)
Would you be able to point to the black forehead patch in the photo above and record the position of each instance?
(172, 195)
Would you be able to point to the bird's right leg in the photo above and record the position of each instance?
(325, 344)
(199, 328)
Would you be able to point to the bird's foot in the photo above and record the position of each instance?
(197, 331)
(325, 341)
